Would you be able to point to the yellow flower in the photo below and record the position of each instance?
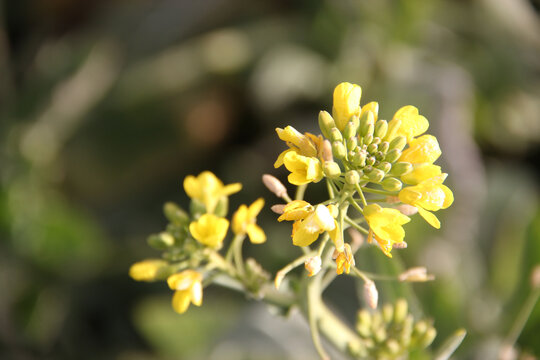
(420, 173)
(310, 222)
(385, 226)
(208, 189)
(209, 230)
(307, 145)
(429, 195)
(346, 103)
(344, 260)
(244, 219)
(147, 270)
(424, 149)
(412, 124)
(303, 169)
(188, 288)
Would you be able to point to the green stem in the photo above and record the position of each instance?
(237, 253)
(330, 189)
(290, 266)
(381, 192)
(300, 190)
(351, 222)
(361, 193)
(313, 293)
(360, 274)
(356, 206)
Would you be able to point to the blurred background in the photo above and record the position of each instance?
(106, 106)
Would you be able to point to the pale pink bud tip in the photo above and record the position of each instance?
(278, 208)
(416, 274)
(371, 295)
(274, 185)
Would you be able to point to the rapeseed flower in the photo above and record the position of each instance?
(244, 222)
(303, 169)
(424, 149)
(209, 230)
(346, 103)
(147, 270)
(188, 289)
(208, 189)
(428, 195)
(385, 226)
(411, 123)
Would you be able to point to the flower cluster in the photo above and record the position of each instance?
(192, 241)
(358, 153)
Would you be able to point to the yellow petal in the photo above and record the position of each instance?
(429, 217)
(420, 173)
(424, 149)
(448, 197)
(239, 220)
(412, 124)
(196, 293)
(409, 195)
(346, 103)
(372, 107)
(279, 160)
(255, 208)
(296, 210)
(302, 237)
(256, 234)
(336, 237)
(192, 188)
(181, 300)
(146, 270)
(231, 189)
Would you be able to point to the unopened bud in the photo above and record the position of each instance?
(371, 295)
(352, 143)
(326, 123)
(350, 130)
(391, 184)
(367, 124)
(393, 127)
(416, 274)
(313, 265)
(352, 177)
(392, 155)
(406, 330)
(383, 147)
(398, 143)
(381, 127)
(399, 245)
(335, 135)
(175, 214)
(387, 313)
(359, 158)
(401, 168)
(363, 324)
(222, 207)
(367, 140)
(161, 241)
(384, 166)
(278, 208)
(331, 169)
(372, 148)
(338, 149)
(401, 309)
(380, 335)
(148, 270)
(274, 185)
(327, 151)
(376, 140)
(393, 346)
(428, 337)
(371, 160)
(376, 175)
(420, 328)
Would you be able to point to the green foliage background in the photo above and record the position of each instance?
(106, 106)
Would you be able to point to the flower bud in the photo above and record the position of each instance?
(420, 329)
(161, 241)
(149, 270)
(376, 140)
(327, 151)
(393, 346)
(367, 122)
(401, 168)
(278, 208)
(352, 143)
(391, 184)
(372, 148)
(331, 169)
(222, 207)
(398, 143)
(175, 214)
(352, 177)
(338, 149)
(401, 309)
(393, 127)
(376, 175)
(387, 313)
(381, 127)
(335, 135)
(359, 158)
(406, 330)
(274, 185)
(428, 337)
(399, 245)
(416, 274)
(350, 130)
(383, 147)
(384, 166)
(371, 160)
(371, 295)
(392, 155)
(326, 123)
(363, 323)
(380, 335)
(367, 140)
(313, 265)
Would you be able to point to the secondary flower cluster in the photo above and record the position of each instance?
(192, 241)
(360, 153)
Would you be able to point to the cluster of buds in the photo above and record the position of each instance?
(392, 332)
